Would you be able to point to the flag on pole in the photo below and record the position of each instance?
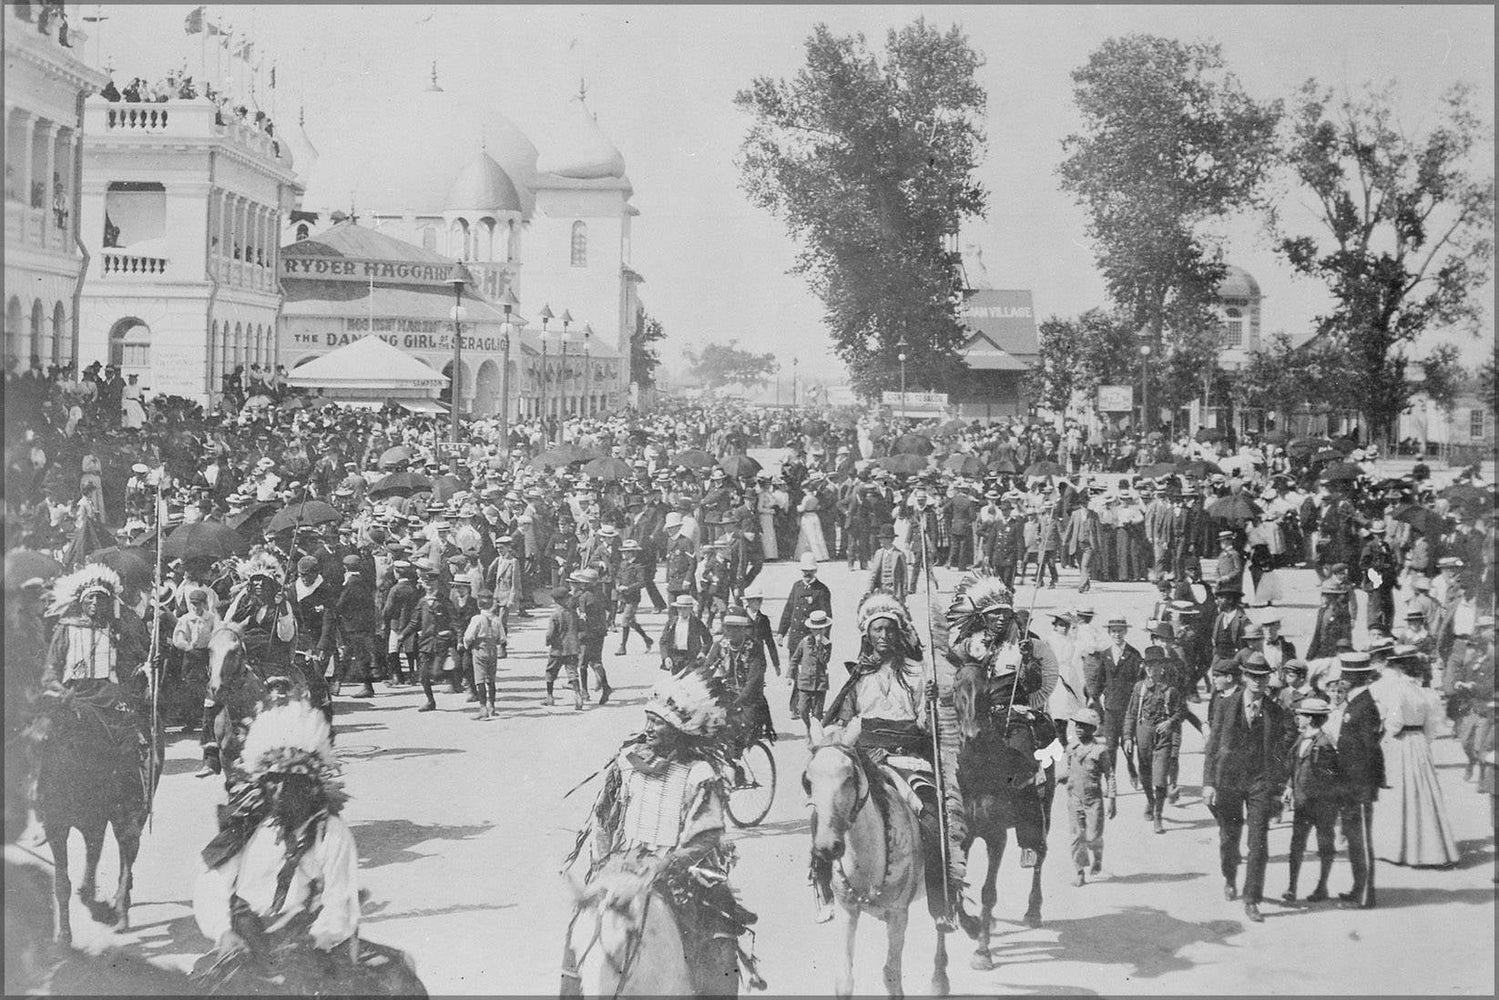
(246, 51)
(194, 22)
(211, 29)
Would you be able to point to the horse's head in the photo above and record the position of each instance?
(970, 695)
(836, 786)
(226, 656)
(619, 900)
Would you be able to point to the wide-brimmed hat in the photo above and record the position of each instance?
(1256, 664)
(808, 562)
(818, 620)
(684, 601)
(1087, 717)
(1313, 706)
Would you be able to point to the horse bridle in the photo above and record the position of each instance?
(860, 777)
(633, 940)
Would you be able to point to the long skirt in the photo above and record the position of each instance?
(768, 537)
(1411, 825)
(811, 538)
(1265, 590)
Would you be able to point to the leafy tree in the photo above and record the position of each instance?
(643, 358)
(1281, 378)
(1486, 383)
(1171, 145)
(1443, 377)
(1405, 231)
(718, 365)
(869, 161)
(1079, 355)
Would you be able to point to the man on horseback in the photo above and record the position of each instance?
(662, 809)
(263, 610)
(888, 689)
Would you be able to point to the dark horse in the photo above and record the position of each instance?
(997, 771)
(90, 772)
(234, 684)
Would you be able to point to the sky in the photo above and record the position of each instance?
(662, 79)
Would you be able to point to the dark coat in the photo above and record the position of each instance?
(314, 614)
(1110, 683)
(699, 639)
(805, 598)
(1360, 757)
(1245, 760)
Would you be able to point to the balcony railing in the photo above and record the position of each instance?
(132, 265)
(137, 116)
(192, 118)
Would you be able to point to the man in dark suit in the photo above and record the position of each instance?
(1082, 539)
(1362, 774)
(1109, 678)
(1333, 622)
(807, 595)
(1006, 544)
(1245, 766)
(1228, 625)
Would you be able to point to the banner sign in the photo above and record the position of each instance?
(915, 400)
(347, 269)
(437, 341)
(1116, 398)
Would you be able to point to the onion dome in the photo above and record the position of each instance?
(579, 149)
(483, 185)
(296, 148)
(1238, 283)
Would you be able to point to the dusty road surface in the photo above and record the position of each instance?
(462, 827)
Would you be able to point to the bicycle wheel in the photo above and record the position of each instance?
(750, 797)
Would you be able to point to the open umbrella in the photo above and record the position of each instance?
(913, 444)
(611, 469)
(308, 512)
(248, 522)
(1039, 470)
(694, 458)
(1198, 468)
(401, 484)
(1235, 509)
(134, 566)
(813, 427)
(392, 457)
(1327, 455)
(445, 487)
(1305, 446)
(203, 540)
(1160, 470)
(903, 464)
(1341, 472)
(965, 465)
(257, 402)
(1275, 437)
(1206, 434)
(24, 564)
(1466, 494)
(1344, 444)
(1422, 519)
(954, 426)
(559, 457)
(739, 466)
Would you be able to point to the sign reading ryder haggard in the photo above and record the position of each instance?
(348, 269)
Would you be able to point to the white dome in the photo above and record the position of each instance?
(405, 153)
(483, 185)
(579, 149)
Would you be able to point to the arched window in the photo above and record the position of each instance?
(40, 346)
(509, 237)
(130, 345)
(239, 345)
(1233, 334)
(485, 242)
(303, 231)
(13, 340)
(429, 237)
(458, 242)
(580, 244)
(62, 344)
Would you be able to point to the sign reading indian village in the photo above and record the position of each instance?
(349, 269)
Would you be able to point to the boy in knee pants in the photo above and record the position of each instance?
(1314, 794)
(1090, 777)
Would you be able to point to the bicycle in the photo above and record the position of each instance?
(751, 784)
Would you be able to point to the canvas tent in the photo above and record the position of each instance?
(370, 369)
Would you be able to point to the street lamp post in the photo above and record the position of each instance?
(567, 319)
(901, 343)
(794, 363)
(587, 398)
(508, 302)
(1144, 388)
(458, 277)
(541, 403)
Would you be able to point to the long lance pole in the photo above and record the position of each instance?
(932, 721)
(153, 665)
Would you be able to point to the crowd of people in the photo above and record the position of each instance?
(350, 547)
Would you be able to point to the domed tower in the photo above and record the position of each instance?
(482, 214)
(1238, 300)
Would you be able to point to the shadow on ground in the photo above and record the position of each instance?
(390, 841)
(1142, 937)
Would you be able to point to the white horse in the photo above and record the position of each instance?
(875, 853)
(624, 940)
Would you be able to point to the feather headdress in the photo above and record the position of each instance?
(977, 596)
(70, 589)
(260, 562)
(293, 738)
(882, 604)
(689, 703)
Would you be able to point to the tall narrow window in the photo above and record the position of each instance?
(1233, 334)
(580, 244)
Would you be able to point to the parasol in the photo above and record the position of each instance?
(965, 465)
(1344, 444)
(1235, 509)
(445, 487)
(1198, 468)
(739, 466)
(400, 484)
(1040, 470)
(694, 458)
(1466, 494)
(248, 521)
(610, 469)
(1159, 470)
(1422, 519)
(1341, 472)
(953, 426)
(1207, 434)
(904, 464)
(1306, 446)
(203, 540)
(308, 512)
(392, 457)
(24, 564)
(133, 565)
(912, 444)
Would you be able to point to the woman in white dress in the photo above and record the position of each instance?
(1412, 826)
(810, 538)
(1261, 580)
(765, 507)
(132, 405)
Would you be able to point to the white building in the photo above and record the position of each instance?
(182, 216)
(552, 225)
(45, 84)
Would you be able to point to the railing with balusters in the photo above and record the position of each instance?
(123, 264)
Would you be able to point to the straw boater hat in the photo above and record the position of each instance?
(819, 620)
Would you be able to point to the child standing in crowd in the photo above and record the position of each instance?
(563, 646)
(486, 640)
(1314, 793)
(627, 588)
(809, 670)
(1089, 778)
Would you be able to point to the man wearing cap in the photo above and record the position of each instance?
(1361, 768)
(593, 629)
(1380, 572)
(1246, 763)
(681, 561)
(960, 511)
(431, 626)
(396, 615)
(1315, 793)
(1152, 723)
(807, 595)
(357, 627)
(1333, 622)
(715, 582)
(1089, 775)
(889, 572)
(312, 603)
(1230, 562)
(628, 585)
(1006, 544)
(684, 639)
(563, 646)
(738, 663)
(808, 670)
